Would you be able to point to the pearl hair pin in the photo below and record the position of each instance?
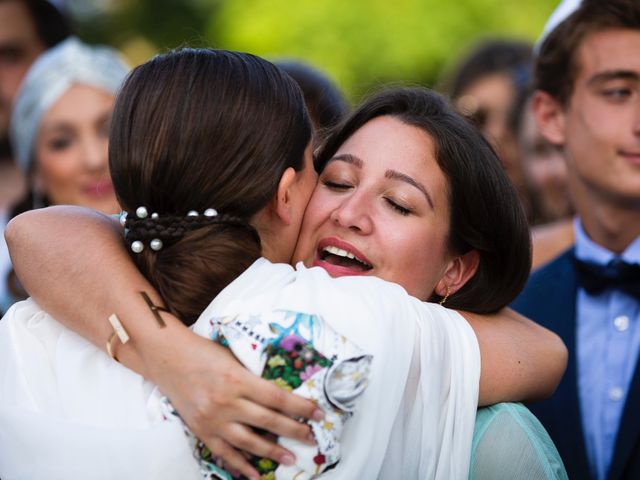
(141, 212)
(137, 246)
(156, 244)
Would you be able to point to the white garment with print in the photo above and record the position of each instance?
(68, 411)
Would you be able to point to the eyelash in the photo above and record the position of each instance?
(58, 144)
(340, 187)
(617, 93)
(336, 186)
(399, 208)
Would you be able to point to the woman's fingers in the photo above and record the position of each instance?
(269, 395)
(260, 417)
(246, 439)
(232, 459)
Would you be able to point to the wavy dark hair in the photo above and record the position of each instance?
(196, 129)
(486, 214)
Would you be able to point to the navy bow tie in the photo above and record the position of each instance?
(617, 274)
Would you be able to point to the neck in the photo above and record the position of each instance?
(270, 241)
(609, 223)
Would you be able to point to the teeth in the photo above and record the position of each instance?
(338, 251)
(343, 253)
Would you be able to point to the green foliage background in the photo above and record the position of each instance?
(360, 43)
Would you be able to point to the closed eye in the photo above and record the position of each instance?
(397, 207)
(336, 186)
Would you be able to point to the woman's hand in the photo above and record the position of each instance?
(216, 396)
(220, 400)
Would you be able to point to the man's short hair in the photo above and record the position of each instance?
(556, 65)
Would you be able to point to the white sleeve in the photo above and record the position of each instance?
(67, 410)
(415, 419)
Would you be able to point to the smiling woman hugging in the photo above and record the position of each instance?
(410, 211)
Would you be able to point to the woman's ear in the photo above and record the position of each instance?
(550, 117)
(460, 269)
(281, 205)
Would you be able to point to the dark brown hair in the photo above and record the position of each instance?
(51, 25)
(556, 64)
(486, 214)
(196, 129)
(325, 102)
(491, 57)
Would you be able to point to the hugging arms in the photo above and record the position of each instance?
(383, 186)
(215, 395)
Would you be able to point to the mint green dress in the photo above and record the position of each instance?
(510, 443)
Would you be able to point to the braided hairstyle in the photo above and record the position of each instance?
(198, 129)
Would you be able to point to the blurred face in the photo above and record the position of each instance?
(493, 95)
(380, 208)
(71, 163)
(544, 168)
(488, 102)
(19, 47)
(601, 123)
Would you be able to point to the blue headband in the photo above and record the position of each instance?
(49, 78)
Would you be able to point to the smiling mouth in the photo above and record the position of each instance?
(342, 258)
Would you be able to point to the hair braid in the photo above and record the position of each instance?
(171, 228)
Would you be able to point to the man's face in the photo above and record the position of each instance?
(19, 47)
(600, 125)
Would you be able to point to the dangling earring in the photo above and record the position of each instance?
(446, 295)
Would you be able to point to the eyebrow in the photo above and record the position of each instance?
(65, 125)
(395, 175)
(613, 75)
(60, 126)
(348, 158)
(391, 174)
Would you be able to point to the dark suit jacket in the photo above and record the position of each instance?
(549, 298)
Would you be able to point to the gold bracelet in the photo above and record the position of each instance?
(118, 332)
(154, 309)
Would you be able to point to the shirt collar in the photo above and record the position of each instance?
(587, 250)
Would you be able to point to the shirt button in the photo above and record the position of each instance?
(621, 323)
(616, 393)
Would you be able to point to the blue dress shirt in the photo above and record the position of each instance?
(607, 343)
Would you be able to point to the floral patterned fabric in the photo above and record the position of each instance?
(301, 354)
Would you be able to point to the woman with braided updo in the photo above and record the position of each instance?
(210, 158)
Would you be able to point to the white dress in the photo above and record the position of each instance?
(5, 265)
(68, 411)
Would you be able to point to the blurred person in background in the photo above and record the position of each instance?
(324, 100)
(27, 28)
(587, 102)
(59, 134)
(544, 172)
(483, 88)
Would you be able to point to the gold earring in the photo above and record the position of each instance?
(446, 295)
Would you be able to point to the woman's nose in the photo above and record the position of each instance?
(95, 152)
(354, 213)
